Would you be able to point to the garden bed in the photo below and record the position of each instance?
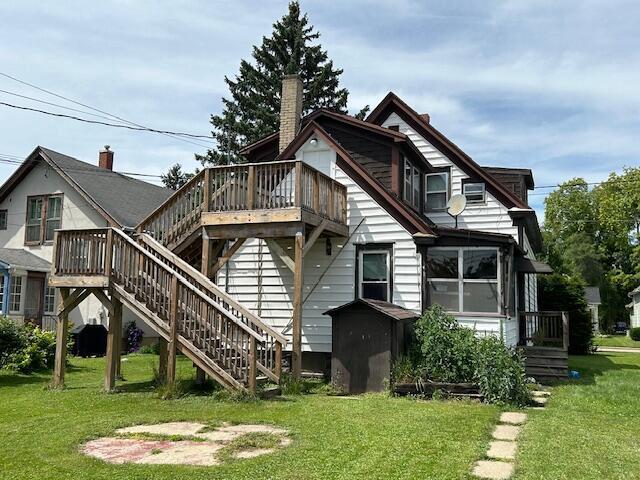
(428, 388)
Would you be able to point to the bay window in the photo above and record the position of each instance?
(436, 191)
(464, 279)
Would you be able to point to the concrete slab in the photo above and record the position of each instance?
(502, 450)
(540, 401)
(122, 450)
(171, 428)
(493, 470)
(506, 432)
(185, 453)
(513, 418)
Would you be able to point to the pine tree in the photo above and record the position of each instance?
(175, 177)
(253, 110)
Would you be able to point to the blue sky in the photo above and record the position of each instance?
(547, 85)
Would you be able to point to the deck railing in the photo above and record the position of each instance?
(205, 321)
(544, 329)
(245, 187)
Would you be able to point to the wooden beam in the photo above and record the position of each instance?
(173, 333)
(205, 264)
(62, 330)
(253, 371)
(314, 235)
(117, 310)
(115, 326)
(298, 285)
(104, 299)
(73, 300)
(227, 255)
(75, 281)
(276, 248)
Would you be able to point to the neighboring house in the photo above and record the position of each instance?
(592, 297)
(634, 307)
(402, 247)
(51, 191)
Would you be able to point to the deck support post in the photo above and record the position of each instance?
(62, 330)
(117, 310)
(296, 358)
(115, 334)
(253, 370)
(172, 347)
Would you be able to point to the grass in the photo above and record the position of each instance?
(247, 442)
(371, 436)
(616, 341)
(590, 428)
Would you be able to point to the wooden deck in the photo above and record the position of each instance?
(544, 341)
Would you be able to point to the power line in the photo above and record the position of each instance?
(49, 92)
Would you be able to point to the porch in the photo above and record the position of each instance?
(544, 340)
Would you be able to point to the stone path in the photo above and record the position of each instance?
(200, 447)
(502, 448)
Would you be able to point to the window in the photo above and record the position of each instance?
(411, 184)
(375, 274)
(44, 216)
(16, 293)
(464, 279)
(3, 219)
(437, 191)
(395, 128)
(474, 192)
(49, 299)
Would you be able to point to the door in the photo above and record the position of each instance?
(34, 300)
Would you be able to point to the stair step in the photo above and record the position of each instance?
(270, 392)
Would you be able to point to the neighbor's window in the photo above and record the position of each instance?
(3, 219)
(464, 279)
(411, 184)
(437, 191)
(375, 274)
(474, 192)
(44, 216)
(16, 293)
(49, 299)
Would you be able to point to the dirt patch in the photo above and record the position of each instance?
(203, 444)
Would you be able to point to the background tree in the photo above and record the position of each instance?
(175, 177)
(252, 111)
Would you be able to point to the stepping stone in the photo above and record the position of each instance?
(513, 418)
(540, 401)
(493, 470)
(506, 432)
(502, 450)
(540, 393)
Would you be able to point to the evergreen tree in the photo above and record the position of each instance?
(253, 109)
(175, 177)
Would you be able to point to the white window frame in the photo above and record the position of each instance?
(483, 193)
(410, 195)
(46, 290)
(461, 280)
(13, 293)
(361, 255)
(427, 192)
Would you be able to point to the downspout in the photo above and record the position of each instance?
(6, 289)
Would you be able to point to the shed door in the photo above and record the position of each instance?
(33, 304)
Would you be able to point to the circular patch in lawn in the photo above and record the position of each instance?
(187, 443)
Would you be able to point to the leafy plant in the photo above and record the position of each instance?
(25, 348)
(13, 339)
(152, 348)
(634, 333)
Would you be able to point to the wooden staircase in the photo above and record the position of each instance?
(220, 336)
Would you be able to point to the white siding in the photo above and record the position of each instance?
(491, 217)
(635, 313)
(338, 284)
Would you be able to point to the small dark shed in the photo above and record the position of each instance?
(368, 335)
(89, 340)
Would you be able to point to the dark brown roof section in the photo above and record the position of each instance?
(392, 204)
(523, 172)
(391, 310)
(393, 103)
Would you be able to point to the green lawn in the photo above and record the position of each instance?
(591, 428)
(615, 341)
(370, 437)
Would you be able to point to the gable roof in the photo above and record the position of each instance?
(393, 103)
(392, 204)
(390, 310)
(123, 201)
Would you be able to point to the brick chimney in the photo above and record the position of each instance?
(290, 110)
(105, 158)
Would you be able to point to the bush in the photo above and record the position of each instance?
(152, 348)
(134, 337)
(634, 333)
(559, 292)
(445, 351)
(25, 348)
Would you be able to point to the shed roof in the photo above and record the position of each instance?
(20, 258)
(592, 295)
(391, 310)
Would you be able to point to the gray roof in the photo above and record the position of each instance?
(389, 309)
(127, 200)
(592, 295)
(18, 257)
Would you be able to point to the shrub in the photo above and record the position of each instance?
(153, 348)
(558, 292)
(133, 336)
(13, 339)
(25, 348)
(634, 333)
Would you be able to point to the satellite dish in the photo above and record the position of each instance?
(456, 205)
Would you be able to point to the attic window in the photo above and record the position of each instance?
(437, 191)
(474, 192)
